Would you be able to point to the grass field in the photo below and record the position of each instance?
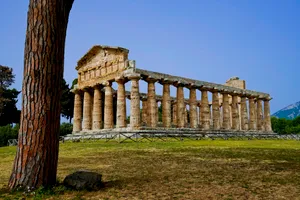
(205, 169)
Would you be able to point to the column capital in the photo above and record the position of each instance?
(178, 84)
(267, 98)
(165, 81)
(77, 91)
(120, 80)
(144, 98)
(205, 88)
(134, 76)
(233, 93)
(225, 91)
(87, 89)
(150, 79)
(106, 83)
(98, 86)
(191, 86)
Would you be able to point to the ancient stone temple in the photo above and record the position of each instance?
(99, 108)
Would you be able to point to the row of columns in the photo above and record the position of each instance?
(90, 117)
(228, 116)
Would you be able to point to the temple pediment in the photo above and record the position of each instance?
(100, 62)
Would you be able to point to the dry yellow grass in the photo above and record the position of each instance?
(256, 169)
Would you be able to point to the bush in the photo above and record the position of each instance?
(11, 132)
(286, 126)
(8, 132)
(65, 129)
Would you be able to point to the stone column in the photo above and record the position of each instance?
(97, 110)
(108, 106)
(267, 116)
(174, 113)
(152, 105)
(205, 118)
(87, 110)
(166, 105)
(235, 113)
(180, 106)
(252, 114)
(156, 114)
(185, 115)
(244, 114)
(144, 111)
(121, 103)
(199, 113)
(216, 110)
(77, 124)
(260, 116)
(193, 108)
(135, 101)
(226, 114)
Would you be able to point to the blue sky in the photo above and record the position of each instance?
(258, 41)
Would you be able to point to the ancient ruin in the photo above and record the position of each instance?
(99, 108)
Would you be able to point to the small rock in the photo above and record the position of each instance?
(83, 180)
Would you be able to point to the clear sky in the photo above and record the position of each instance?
(258, 41)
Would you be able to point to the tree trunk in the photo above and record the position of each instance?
(35, 164)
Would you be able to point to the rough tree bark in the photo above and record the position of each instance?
(37, 155)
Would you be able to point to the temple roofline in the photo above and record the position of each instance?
(201, 84)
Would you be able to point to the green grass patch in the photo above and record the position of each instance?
(203, 169)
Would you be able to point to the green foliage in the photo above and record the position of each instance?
(67, 101)
(6, 79)
(11, 132)
(65, 129)
(6, 76)
(8, 132)
(9, 113)
(286, 126)
(75, 81)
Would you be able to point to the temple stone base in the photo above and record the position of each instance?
(179, 134)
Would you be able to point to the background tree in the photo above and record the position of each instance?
(6, 79)
(38, 140)
(67, 101)
(9, 113)
(286, 126)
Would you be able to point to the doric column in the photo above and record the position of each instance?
(193, 108)
(185, 115)
(199, 113)
(260, 117)
(180, 106)
(226, 114)
(216, 110)
(108, 106)
(97, 110)
(152, 105)
(121, 103)
(174, 113)
(205, 118)
(87, 109)
(235, 113)
(77, 123)
(267, 116)
(244, 114)
(166, 105)
(252, 114)
(135, 101)
(144, 111)
(156, 114)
